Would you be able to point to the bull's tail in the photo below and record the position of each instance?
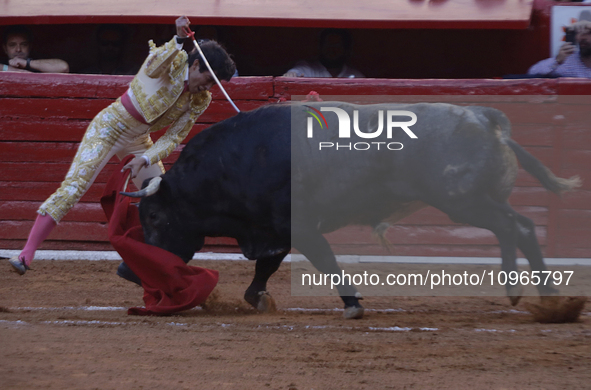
(538, 170)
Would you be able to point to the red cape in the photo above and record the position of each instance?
(169, 284)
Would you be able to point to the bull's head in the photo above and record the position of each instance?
(164, 222)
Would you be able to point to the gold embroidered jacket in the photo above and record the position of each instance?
(158, 89)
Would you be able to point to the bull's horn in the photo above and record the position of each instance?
(150, 189)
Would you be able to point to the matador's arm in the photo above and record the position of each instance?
(177, 131)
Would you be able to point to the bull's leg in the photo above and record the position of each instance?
(256, 294)
(499, 218)
(123, 271)
(527, 242)
(315, 247)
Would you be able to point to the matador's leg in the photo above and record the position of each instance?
(101, 140)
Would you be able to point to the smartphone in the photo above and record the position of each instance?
(570, 36)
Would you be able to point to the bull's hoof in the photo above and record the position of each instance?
(123, 271)
(266, 303)
(515, 293)
(548, 291)
(353, 312)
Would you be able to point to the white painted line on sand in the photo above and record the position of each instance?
(112, 255)
(109, 255)
(19, 323)
(287, 309)
(85, 308)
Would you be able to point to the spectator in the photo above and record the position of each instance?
(17, 42)
(335, 48)
(111, 41)
(570, 60)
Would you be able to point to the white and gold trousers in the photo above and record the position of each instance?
(112, 132)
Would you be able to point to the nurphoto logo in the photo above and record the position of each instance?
(344, 128)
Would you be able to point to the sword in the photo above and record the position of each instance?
(191, 34)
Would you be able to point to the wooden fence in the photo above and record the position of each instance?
(43, 117)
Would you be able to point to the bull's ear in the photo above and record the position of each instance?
(165, 191)
(164, 187)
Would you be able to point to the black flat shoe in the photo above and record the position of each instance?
(18, 265)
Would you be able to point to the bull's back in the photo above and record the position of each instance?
(240, 167)
(457, 152)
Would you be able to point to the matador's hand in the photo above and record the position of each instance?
(135, 165)
(182, 23)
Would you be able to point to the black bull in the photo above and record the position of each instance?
(237, 179)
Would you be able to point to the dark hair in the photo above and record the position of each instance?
(344, 34)
(16, 29)
(218, 59)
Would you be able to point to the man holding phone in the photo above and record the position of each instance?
(570, 60)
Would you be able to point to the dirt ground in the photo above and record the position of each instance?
(64, 325)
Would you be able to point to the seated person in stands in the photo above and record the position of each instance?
(335, 47)
(110, 39)
(570, 60)
(16, 42)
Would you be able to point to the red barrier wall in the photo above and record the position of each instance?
(42, 118)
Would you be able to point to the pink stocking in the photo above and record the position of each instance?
(41, 229)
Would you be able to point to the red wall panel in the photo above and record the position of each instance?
(42, 118)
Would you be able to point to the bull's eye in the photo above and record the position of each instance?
(152, 215)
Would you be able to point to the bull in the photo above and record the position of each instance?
(252, 178)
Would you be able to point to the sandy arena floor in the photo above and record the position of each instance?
(64, 325)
